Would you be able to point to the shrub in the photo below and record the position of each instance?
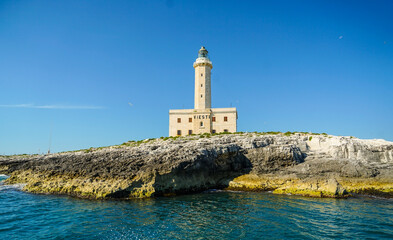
(89, 150)
(273, 133)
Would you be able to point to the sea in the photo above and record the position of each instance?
(213, 214)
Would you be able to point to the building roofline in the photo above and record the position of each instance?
(197, 111)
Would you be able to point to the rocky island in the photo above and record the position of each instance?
(317, 165)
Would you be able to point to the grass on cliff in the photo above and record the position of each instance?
(134, 143)
(19, 155)
(208, 135)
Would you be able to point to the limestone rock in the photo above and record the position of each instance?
(305, 164)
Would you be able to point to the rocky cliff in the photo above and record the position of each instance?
(299, 163)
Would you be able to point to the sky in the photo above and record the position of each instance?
(81, 74)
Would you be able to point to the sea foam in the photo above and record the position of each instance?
(18, 186)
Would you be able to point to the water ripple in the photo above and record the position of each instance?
(209, 215)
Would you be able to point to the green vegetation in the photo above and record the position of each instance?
(89, 150)
(133, 143)
(270, 133)
(18, 155)
(173, 138)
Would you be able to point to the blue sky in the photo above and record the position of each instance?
(97, 73)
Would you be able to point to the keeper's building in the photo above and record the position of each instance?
(203, 118)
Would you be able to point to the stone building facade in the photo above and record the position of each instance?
(203, 118)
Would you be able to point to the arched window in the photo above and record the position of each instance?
(201, 124)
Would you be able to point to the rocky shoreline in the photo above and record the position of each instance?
(315, 165)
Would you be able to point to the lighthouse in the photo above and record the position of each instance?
(203, 67)
(203, 118)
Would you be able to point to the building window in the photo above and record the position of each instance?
(225, 119)
(179, 120)
(178, 132)
(201, 74)
(189, 132)
(201, 85)
(189, 119)
(201, 95)
(213, 131)
(213, 119)
(201, 124)
(225, 130)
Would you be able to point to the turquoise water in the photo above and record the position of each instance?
(209, 215)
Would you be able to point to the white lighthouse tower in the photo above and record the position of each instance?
(203, 67)
(203, 118)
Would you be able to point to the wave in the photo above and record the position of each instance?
(18, 186)
(2, 178)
